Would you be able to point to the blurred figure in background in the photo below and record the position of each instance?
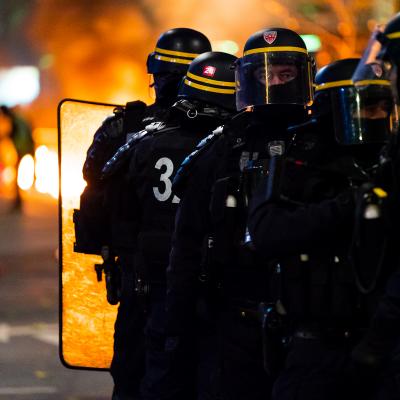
(14, 130)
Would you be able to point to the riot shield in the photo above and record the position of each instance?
(86, 318)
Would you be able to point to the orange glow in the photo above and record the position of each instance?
(8, 175)
(8, 154)
(8, 162)
(323, 58)
(87, 318)
(46, 171)
(26, 172)
(345, 29)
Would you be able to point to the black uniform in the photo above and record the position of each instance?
(103, 221)
(213, 208)
(148, 208)
(273, 86)
(380, 345)
(151, 167)
(307, 231)
(106, 222)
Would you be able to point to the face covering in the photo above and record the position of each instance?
(166, 86)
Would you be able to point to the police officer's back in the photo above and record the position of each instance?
(205, 100)
(273, 87)
(105, 224)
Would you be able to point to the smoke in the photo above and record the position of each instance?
(96, 50)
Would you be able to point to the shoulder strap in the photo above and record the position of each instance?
(121, 157)
(184, 171)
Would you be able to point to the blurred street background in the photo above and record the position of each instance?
(29, 362)
(97, 50)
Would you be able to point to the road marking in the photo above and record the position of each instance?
(47, 333)
(9, 391)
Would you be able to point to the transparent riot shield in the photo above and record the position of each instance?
(86, 318)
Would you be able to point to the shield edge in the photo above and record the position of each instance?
(60, 256)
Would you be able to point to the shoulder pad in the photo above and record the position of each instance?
(112, 127)
(184, 171)
(155, 126)
(122, 155)
(134, 112)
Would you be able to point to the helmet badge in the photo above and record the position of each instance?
(209, 70)
(270, 36)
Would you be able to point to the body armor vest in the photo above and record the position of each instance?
(242, 271)
(151, 172)
(320, 285)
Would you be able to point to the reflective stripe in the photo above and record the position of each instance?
(329, 85)
(273, 49)
(173, 60)
(380, 192)
(211, 81)
(372, 82)
(349, 82)
(393, 35)
(176, 53)
(208, 88)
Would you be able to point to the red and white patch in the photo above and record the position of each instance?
(209, 70)
(270, 36)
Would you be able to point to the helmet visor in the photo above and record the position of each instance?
(281, 77)
(363, 114)
(374, 66)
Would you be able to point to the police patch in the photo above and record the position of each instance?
(209, 70)
(270, 36)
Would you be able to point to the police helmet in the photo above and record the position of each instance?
(210, 79)
(390, 40)
(275, 69)
(362, 110)
(176, 49)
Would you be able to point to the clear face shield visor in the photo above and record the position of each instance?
(374, 66)
(282, 77)
(363, 114)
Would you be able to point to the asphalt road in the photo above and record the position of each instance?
(29, 363)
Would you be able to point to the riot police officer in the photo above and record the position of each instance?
(379, 348)
(307, 220)
(274, 85)
(167, 64)
(104, 226)
(206, 99)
